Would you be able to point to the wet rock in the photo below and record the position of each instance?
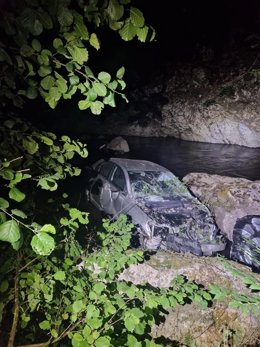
(118, 144)
(228, 198)
(190, 323)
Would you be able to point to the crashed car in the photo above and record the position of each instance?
(163, 210)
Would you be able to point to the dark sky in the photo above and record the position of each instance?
(184, 28)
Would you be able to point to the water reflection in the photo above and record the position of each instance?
(182, 157)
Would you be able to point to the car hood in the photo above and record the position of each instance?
(179, 214)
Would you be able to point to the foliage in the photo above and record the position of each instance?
(86, 302)
(246, 303)
(31, 159)
(46, 47)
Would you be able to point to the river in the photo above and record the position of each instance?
(183, 157)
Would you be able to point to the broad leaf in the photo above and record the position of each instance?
(16, 194)
(99, 88)
(84, 104)
(36, 45)
(42, 243)
(79, 55)
(104, 77)
(48, 228)
(120, 73)
(19, 213)
(60, 276)
(30, 145)
(142, 33)
(115, 10)
(136, 17)
(94, 41)
(10, 231)
(4, 203)
(96, 107)
(128, 31)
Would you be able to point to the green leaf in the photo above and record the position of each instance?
(45, 19)
(99, 88)
(104, 77)
(103, 341)
(2, 217)
(47, 183)
(128, 31)
(31, 93)
(57, 43)
(96, 107)
(142, 33)
(65, 16)
(99, 287)
(46, 140)
(94, 41)
(84, 104)
(4, 203)
(54, 333)
(129, 323)
(7, 174)
(42, 243)
(255, 286)
(48, 228)
(30, 145)
(136, 17)
(60, 276)
(36, 45)
(4, 286)
(110, 100)
(115, 10)
(80, 28)
(26, 51)
(74, 79)
(9, 231)
(44, 70)
(120, 72)
(79, 55)
(78, 306)
(16, 194)
(45, 325)
(19, 213)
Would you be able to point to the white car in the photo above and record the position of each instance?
(165, 213)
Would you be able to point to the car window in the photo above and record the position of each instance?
(105, 169)
(146, 183)
(118, 178)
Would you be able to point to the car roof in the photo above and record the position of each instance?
(137, 165)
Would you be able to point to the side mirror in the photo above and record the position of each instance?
(114, 194)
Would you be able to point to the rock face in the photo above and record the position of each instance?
(229, 198)
(205, 103)
(190, 324)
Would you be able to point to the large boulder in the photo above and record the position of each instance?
(190, 323)
(229, 198)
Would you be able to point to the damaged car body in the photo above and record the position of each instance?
(163, 210)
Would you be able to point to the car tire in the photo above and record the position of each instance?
(246, 241)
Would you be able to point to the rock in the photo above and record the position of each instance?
(118, 144)
(228, 198)
(203, 327)
(215, 104)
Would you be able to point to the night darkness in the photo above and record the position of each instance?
(184, 29)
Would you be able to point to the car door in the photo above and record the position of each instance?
(99, 186)
(118, 188)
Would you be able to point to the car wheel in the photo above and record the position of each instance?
(246, 241)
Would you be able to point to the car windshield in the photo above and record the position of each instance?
(156, 183)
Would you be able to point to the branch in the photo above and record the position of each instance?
(16, 310)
